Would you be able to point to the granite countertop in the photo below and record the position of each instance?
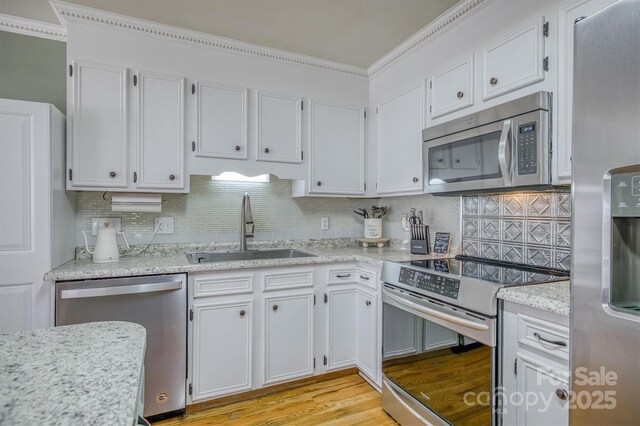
(78, 374)
(552, 297)
(176, 263)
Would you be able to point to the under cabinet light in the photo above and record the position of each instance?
(237, 177)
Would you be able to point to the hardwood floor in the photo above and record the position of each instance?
(343, 401)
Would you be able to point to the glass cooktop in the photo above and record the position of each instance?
(503, 273)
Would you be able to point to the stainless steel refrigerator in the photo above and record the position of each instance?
(605, 271)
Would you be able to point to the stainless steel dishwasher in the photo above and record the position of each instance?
(159, 304)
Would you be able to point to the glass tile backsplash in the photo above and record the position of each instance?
(530, 228)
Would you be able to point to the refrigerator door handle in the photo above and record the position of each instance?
(120, 290)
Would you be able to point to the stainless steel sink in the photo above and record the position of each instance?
(228, 256)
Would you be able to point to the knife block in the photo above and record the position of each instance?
(420, 246)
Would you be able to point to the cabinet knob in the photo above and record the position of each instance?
(237, 147)
(460, 95)
(112, 174)
(457, 160)
(266, 150)
(493, 81)
(172, 177)
(562, 394)
(275, 308)
(415, 179)
(242, 313)
(368, 303)
(440, 160)
(319, 183)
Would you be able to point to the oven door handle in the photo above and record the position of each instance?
(502, 152)
(436, 314)
(413, 412)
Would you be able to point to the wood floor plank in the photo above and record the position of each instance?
(346, 400)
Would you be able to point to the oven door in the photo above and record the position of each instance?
(471, 160)
(437, 362)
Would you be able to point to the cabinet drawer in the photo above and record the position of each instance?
(543, 336)
(342, 275)
(216, 285)
(290, 279)
(367, 278)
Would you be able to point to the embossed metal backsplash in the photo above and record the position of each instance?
(528, 228)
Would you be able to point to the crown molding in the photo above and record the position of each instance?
(71, 12)
(33, 28)
(433, 30)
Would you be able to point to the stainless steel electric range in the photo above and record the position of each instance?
(440, 328)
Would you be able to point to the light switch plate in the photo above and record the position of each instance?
(324, 223)
(166, 225)
(98, 222)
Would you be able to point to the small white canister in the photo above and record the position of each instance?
(373, 228)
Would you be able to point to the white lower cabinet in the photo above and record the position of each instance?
(535, 367)
(341, 327)
(288, 336)
(222, 346)
(366, 333)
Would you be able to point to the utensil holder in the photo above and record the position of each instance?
(373, 228)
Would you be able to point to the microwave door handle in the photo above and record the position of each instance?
(502, 153)
(436, 314)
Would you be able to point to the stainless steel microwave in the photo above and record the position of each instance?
(507, 147)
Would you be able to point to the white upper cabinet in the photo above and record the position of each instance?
(514, 61)
(400, 123)
(452, 89)
(336, 136)
(97, 127)
(221, 121)
(279, 127)
(160, 132)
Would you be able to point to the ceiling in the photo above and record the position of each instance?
(354, 32)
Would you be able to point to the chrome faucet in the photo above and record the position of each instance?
(246, 222)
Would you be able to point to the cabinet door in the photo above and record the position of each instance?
(160, 135)
(98, 127)
(341, 328)
(221, 119)
(366, 341)
(279, 128)
(514, 61)
(536, 377)
(562, 147)
(222, 354)
(288, 337)
(452, 89)
(336, 135)
(400, 126)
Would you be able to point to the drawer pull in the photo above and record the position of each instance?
(364, 277)
(553, 342)
(343, 275)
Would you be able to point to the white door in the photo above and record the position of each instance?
(160, 132)
(24, 214)
(452, 89)
(336, 136)
(400, 123)
(366, 342)
(222, 347)
(221, 120)
(514, 61)
(279, 127)
(535, 377)
(288, 337)
(341, 320)
(98, 126)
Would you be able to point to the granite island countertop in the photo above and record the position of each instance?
(177, 263)
(552, 297)
(78, 374)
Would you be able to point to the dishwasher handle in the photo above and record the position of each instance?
(80, 293)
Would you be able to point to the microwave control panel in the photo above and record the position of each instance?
(433, 283)
(527, 146)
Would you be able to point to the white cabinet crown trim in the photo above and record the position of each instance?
(19, 25)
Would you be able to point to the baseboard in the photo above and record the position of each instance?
(371, 382)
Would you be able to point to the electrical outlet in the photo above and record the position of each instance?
(324, 223)
(166, 225)
(98, 222)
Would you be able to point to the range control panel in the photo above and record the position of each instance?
(527, 144)
(433, 283)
